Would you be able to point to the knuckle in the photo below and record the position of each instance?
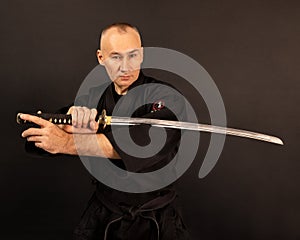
(39, 145)
(45, 131)
(80, 112)
(94, 111)
(71, 109)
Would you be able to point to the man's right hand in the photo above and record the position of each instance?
(83, 120)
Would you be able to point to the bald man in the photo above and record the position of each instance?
(113, 214)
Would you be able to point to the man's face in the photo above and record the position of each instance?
(121, 54)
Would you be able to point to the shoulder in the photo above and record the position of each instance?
(157, 87)
(93, 96)
(99, 89)
(148, 79)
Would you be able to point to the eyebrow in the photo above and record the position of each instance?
(118, 53)
(115, 53)
(134, 50)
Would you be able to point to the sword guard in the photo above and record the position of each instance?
(104, 119)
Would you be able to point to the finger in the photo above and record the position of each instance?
(80, 116)
(70, 110)
(37, 120)
(68, 128)
(32, 132)
(93, 124)
(72, 129)
(38, 144)
(34, 139)
(93, 114)
(74, 117)
(86, 117)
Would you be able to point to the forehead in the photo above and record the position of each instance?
(114, 40)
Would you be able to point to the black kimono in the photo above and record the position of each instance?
(113, 214)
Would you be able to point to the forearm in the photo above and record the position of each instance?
(89, 145)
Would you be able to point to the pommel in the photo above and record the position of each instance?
(18, 119)
(21, 121)
(103, 119)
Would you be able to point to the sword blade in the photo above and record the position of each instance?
(113, 120)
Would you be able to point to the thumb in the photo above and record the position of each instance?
(94, 125)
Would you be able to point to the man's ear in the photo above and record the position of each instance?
(142, 55)
(99, 55)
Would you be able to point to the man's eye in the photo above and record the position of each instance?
(132, 55)
(116, 57)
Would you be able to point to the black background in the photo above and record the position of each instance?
(251, 50)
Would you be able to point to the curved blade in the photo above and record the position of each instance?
(193, 127)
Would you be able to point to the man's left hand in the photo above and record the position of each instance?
(49, 137)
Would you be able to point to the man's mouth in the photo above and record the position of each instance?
(125, 77)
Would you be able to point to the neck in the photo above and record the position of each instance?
(120, 91)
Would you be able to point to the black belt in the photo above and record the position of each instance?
(131, 212)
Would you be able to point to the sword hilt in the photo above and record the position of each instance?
(55, 118)
(65, 119)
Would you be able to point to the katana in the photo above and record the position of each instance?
(105, 120)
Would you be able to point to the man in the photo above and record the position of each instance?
(113, 214)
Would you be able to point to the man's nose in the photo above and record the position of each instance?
(124, 65)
